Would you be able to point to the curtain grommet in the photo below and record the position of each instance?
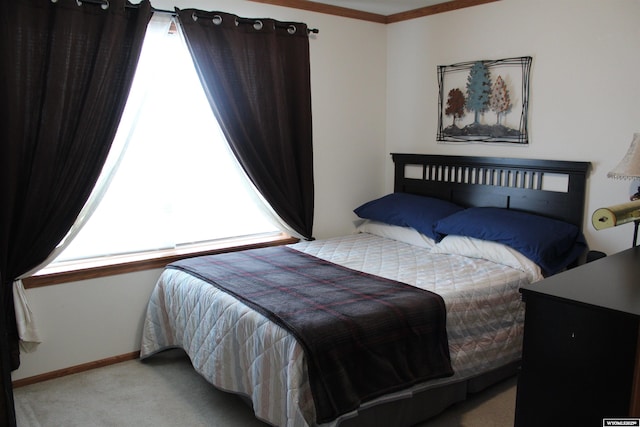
(105, 5)
(217, 20)
(292, 29)
(194, 17)
(257, 25)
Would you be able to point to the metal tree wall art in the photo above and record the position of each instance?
(486, 101)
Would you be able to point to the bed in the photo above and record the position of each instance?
(464, 233)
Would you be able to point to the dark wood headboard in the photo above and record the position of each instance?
(496, 182)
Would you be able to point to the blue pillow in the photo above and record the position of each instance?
(408, 210)
(550, 243)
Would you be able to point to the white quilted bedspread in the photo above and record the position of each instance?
(239, 350)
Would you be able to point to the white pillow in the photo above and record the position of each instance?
(403, 234)
(490, 251)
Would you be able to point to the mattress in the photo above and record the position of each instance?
(241, 351)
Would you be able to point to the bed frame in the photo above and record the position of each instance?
(478, 181)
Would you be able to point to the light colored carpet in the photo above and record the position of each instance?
(166, 391)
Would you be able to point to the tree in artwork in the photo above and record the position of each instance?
(455, 104)
(499, 100)
(478, 89)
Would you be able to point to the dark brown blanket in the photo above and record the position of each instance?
(363, 336)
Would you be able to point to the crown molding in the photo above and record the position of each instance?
(374, 17)
(435, 9)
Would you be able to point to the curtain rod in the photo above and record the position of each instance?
(105, 5)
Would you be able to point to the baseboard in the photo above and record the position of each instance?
(76, 369)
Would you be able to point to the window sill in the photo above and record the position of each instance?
(109, 266)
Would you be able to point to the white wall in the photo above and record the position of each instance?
(584, 86)
(81, 322)
(374, 91)
(100, 318)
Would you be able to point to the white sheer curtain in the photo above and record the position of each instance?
(144, 79)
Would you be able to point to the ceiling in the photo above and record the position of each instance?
(382, 7)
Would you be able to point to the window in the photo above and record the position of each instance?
(178, 183)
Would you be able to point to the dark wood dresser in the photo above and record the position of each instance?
(581, 354)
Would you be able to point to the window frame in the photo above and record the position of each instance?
(75, 271)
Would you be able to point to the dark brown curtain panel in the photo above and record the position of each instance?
(65, 75)
(256, 74)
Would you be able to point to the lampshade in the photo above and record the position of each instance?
(629, 166)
